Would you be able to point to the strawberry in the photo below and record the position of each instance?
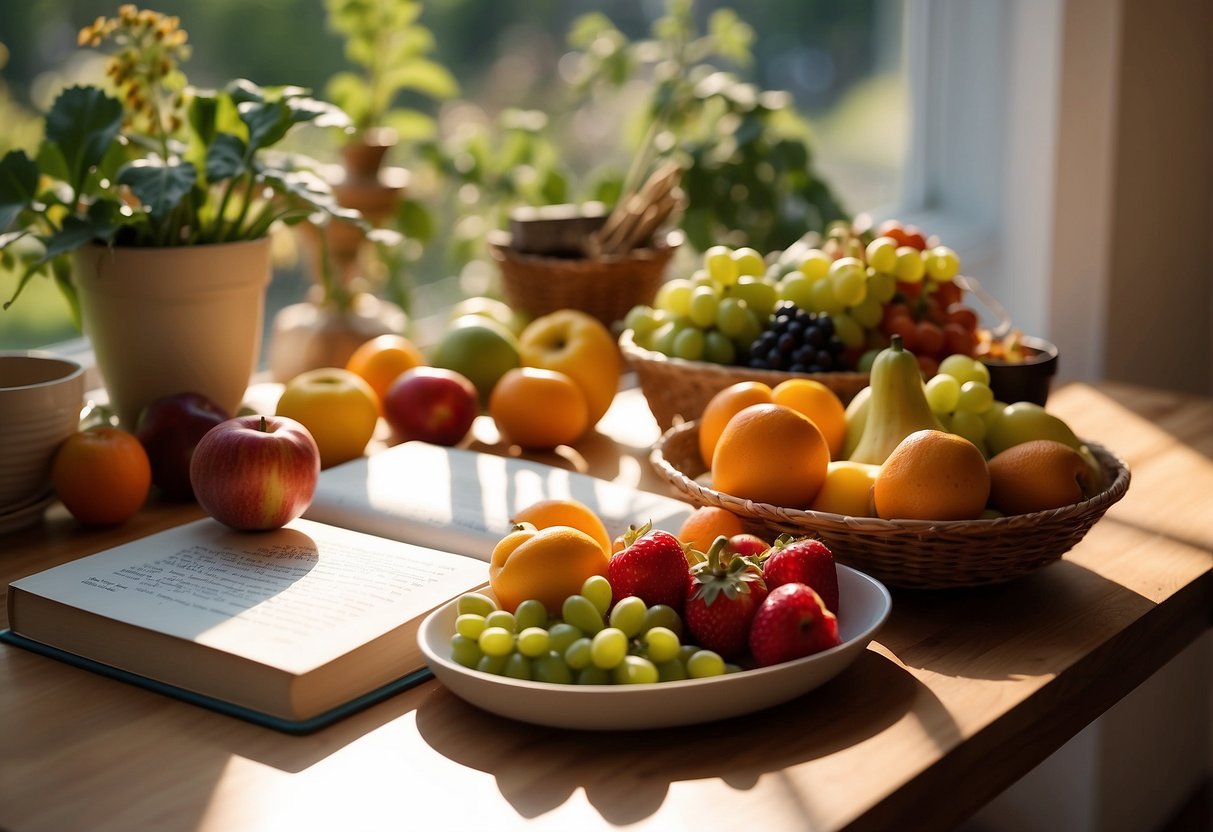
(792, 622)
(722, 600)
(652, 565)
(805, 561)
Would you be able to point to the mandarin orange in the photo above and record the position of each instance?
(771, 454)
(932, 475)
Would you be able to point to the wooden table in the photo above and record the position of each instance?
(962, 693)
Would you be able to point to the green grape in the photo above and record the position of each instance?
(943, 391)
(686, 651)
(582, 614)
(474, 602)
(496, 641)
(561, 635)
(868, 312)
(849, 330)
(701, 278)
(592, 675)
(849, 280)
(688, 344)
(534, 641)
(729, 667)
(865, 362)
(702, 309)
(517, 666)
(608, 647)
(975, 397)
(882, 286)
(530, 613)
(718, 348)
(671, 671)
(965, 368)
(628, 615)
(823, 299)
(993, 414)
(731, 316)
(749, 262)
(675, 295)
(635, 670)
(760, 293)
(503, 619)
(969, 425)
(881, 254)
(719, 262)
(797, 289)
(753, 329)
(942, 264)
(662, 615)
(492, 664)
(910, 268)
(815, 265)
(705, 663)
(661, 644)
(577, 655)
(465, 651)
(470, 625)
(641, 320)
(550, 667)
(598, 589)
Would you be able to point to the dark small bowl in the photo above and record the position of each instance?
(1027, 380)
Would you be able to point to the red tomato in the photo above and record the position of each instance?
(931, 339)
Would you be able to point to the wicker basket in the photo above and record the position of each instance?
(605, 287)
(679, 390)
(912, 554)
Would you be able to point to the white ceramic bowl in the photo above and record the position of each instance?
(864, 603)
(40, 399)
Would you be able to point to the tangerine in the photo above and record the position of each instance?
(539, 409)
(723, 405)
(706, 523)
(771, 454)
(932, 475)
(567, 512)
(1037, 475)
(102, 475)
(819, 403)
(381, 360)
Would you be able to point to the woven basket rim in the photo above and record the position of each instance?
(666, 244)
(638, 354)
(1097, 503)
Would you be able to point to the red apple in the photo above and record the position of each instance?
(169, 429)
(431, 404)
(255, 472)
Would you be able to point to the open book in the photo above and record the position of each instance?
(300, 626)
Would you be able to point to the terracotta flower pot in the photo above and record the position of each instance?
(172, 320)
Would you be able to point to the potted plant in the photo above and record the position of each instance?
(150, 203)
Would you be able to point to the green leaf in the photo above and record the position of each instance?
(83, 122)
(160, 187)
(424, 76)
(226, 158)
(203, 114)
(18, 185)
(411, 125)
(415, 221)
(267, 123)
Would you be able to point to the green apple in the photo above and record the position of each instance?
(478, 348)
(493, 309)
(1024, 421)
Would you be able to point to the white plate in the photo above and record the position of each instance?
(865, 605)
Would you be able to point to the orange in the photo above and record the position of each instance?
(548, 565)
(102, 475)
(771, 454)
(706, 523)
(573, 513)
(1038, 475)
(723, 406)
(847, 489)
(819, 403)
(932, 475)
(382, 359)
(539, 409)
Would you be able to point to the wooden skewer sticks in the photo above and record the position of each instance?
(633, 221)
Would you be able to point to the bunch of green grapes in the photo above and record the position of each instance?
(713, 315)
(591, 642)
(960, 397)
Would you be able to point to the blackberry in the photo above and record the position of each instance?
(796, 340)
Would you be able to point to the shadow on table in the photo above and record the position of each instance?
(627, 775)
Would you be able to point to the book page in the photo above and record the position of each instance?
(462, 500)
(294, 598)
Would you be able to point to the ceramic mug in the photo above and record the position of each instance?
(40, 399)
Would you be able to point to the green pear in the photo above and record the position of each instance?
(1024, 421)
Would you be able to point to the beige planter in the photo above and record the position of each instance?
(172, 320)
(307, 336)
